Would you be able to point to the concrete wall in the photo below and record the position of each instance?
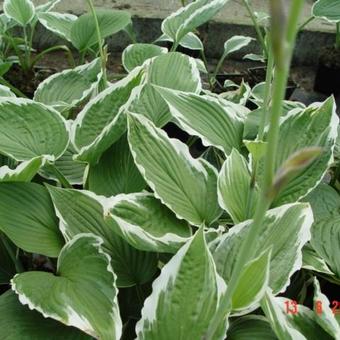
(233, 19)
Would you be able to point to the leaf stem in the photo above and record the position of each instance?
(211, 85)
(30, 44)
(13, 88)
(252, 190)
(247, 250)
(103, 55)
(303, 25)
(26, 67)
(219, 65)
(337, 40)
(174, 46)
(267, 95)
(60, 177)
(257, 27)
(16, 50)
(55, 48)
(139, 293)
(81, 57)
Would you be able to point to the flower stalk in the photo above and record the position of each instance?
(282, 53)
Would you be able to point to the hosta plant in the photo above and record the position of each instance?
(87, 32)
(110, 229)
(329, 10)
(23, 16)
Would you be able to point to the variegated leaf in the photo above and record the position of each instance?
(103, 119)
(205, 117)
(184, 297)
(187, 186)
(29, 129)
(145, 223)
(285, 229)
(84, 280)
(69, 88)
(82, 212)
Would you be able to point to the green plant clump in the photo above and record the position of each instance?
(110, 229)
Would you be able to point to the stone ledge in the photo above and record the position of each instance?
(232, 20)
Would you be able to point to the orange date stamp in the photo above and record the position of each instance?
(292, 307)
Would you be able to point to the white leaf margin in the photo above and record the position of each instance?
(332, 135)
(178, 116)
(67, 16)
(75, 319)
(327, 320)
(199, 12)
(302, 239)
(77, 123)
(181, 150)
(322, 17)
(25, 101)
(7, 174)
(79, 69)
(169, 273)
(29, 3)
(168, 240)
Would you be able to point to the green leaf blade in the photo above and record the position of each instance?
(286, 229)
(254, 327)
(103, 120)
(253, 283)
(236, 43)
(147, 224)
(186, 185)
(187, 18)
(136, 54)
(69, 88)
(85, 279)
(116, 172)
(58, 23)
(321, 123)
(83, 31)
(29, 129)
(19, 322)
(205, 117)
(82, 212)
(186, 78)
(22, 11)
(186, 293)
(327, 9)
(234, 188)
(27, 218)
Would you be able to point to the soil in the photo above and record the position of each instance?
(232, 69)
(50, 64)
(330, 57)
(253, 73)
(327, 78)
(28, 82)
